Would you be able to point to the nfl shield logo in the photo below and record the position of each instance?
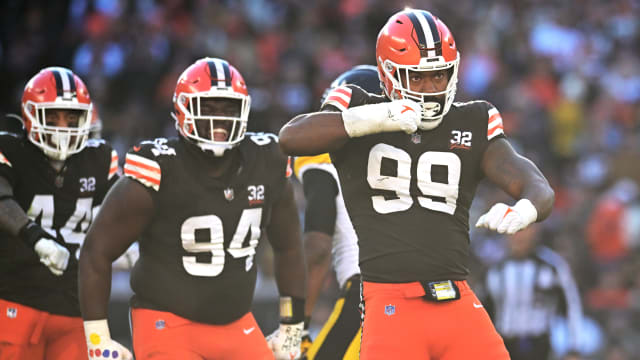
(416, 138)
(12, 313)
(389, 310)
(228, 194)
(160, 324)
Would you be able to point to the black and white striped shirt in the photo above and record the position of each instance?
(525, 294)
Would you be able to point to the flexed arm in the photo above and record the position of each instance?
(320, 132)
(15, 221)
(520, 178)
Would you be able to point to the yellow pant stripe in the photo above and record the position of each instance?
(317, 342)
(353, 352)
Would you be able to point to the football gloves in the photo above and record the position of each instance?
(52, 255)
(507, 219)
(100, 344)
(306, 342)
(285, 341)
(399, 115)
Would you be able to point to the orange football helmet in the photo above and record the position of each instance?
(56, 88)
(416, 40)
(211, 78)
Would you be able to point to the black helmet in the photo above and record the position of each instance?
(365, 76)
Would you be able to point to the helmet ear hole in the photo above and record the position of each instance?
(388, 67)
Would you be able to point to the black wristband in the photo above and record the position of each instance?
(291, 310)
(31, 232)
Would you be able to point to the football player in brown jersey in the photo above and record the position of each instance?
(409, 163)
(198, 204)
(52, 181)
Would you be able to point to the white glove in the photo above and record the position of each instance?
(306, 343)
(399, 115)
(52, 255)
(100, 344)
(509, 219)
(285, 341)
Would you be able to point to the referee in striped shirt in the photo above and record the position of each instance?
(526, 290)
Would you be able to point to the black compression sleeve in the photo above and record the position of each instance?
(320, 191)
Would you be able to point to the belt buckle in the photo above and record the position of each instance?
(442, 290)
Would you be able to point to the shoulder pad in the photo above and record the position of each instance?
(494, 123)
(9, 146)
(346, 96)
(11, 134)
(262, 138)
(301, 163)
(4, 160)
(489, 113)
(157, 147)
(461, 104)
(95, 143)
(103, 149)
(142, 162)
(113, 165)
(144, 170)
(339, 97)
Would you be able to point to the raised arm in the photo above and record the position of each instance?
(313, 134)
(520, 178)
(321, 132)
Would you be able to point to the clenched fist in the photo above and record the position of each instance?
(507, 219)
(399, 115)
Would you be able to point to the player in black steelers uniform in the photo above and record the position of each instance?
(330, 239)
(199, 204)
(409, 163)
(52, 181)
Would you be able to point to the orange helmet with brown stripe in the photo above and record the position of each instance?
(416, 40)
(56, 88)
(221, 126)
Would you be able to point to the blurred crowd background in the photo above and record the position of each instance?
(564, 74)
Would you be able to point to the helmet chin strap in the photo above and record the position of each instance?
(217, 150)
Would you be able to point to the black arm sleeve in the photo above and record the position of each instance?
(320, 191)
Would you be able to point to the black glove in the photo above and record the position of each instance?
(31, 232)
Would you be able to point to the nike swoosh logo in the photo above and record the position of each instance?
(406, 108)
(248, 331)
(477, 306)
